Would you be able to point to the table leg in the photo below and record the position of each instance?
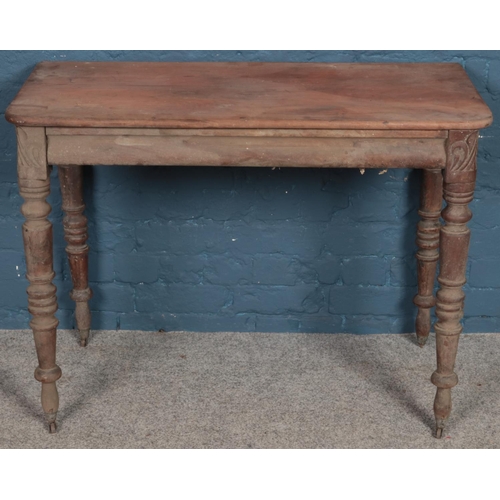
(42, 301)
(431, 200)
(75, 233)
(459, 181)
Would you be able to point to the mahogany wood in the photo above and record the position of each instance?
(427, 96)
(250, 132)
(34, 187)
(459, 181)
(259, 114)
(32, 153)
(75, 233)
(431, 200)
(246, 151)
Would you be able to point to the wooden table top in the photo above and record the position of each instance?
(361, 96)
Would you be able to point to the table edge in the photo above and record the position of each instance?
(17, 120)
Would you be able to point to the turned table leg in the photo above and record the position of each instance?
(459, 181)
(431, 200)
(34, 187)
(75, 233)
(42, 302)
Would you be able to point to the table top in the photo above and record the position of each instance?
(250, 95)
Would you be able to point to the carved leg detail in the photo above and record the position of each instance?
(431, 199)
(42, 301)
(459, 180)
(75, 233)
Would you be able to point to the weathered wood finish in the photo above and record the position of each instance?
(246, 151)
(32, 153)
(459, 182)
(249, 114)
(431, 200)
(34, 187)
(75, 233)
(428, 96)
(250, 132)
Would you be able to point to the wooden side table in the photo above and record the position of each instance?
(422, 116)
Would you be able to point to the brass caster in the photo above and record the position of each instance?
(440, 426)
(421, 341)
(52, 428)
(84, 338)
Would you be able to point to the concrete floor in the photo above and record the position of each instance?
(248, 390)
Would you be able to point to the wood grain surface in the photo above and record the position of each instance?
(219, 151)
(362, 96)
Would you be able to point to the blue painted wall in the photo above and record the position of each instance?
(211, 249)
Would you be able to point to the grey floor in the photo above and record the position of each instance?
(248, 390)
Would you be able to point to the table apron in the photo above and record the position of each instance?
(246, 151)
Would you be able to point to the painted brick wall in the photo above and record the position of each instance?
(210, 249)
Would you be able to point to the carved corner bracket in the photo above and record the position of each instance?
(461, 153)
(32, 153)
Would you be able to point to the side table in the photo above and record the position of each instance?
(424, 116)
